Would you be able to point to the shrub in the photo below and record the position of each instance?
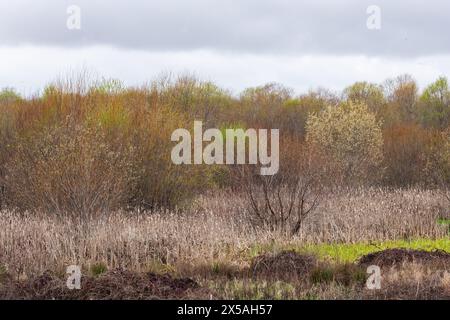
(88, 146)
(161, 182)
(438, 162)
(350, 135)
(283, 201)
(294, 112)
(405, 144)
(366, 93)
(9, 95)
(263, 104)
(8, 136)
(198, 100)
(69, 168)
(435, 104)
(402, 98)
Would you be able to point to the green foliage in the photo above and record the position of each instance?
(366, 93)
(435, 104)
(133, 126)
(444, 221)
(98, 269)
(9, 95)
(198, 100)
(93, 150)
(294, 113)
(109, 86)
(262, 105)
(113, 117)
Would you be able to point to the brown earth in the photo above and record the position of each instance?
(397, 257)
(284, 265)
(115, 285)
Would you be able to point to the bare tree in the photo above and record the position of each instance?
(283, 201)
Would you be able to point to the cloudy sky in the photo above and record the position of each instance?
(236, 43)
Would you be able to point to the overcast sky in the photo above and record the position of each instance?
(236, 43)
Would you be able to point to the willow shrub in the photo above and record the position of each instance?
(90, 151)
(350, 135)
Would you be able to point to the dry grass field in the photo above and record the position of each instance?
(214, 244)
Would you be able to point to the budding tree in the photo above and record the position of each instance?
(349, 134)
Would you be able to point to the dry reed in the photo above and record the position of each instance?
(216, 228)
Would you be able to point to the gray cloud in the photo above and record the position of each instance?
(409, 28)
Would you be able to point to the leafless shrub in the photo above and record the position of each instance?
(280, 204)
(284, 200)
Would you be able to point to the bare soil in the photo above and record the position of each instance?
(284, 265)
(398, 257)
(113, 285)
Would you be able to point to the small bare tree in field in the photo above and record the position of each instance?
(283, 201)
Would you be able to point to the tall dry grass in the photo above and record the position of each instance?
(215, 229)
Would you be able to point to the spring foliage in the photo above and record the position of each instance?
(87, 145)
(350, 134)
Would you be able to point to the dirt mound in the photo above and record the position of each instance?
(113, 285)
(284, 265)
(396, 257)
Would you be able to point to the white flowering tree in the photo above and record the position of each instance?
(350, 134)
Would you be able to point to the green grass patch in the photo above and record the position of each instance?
(98, 269)
(3, 273)
(349, 252)
(443, 221)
